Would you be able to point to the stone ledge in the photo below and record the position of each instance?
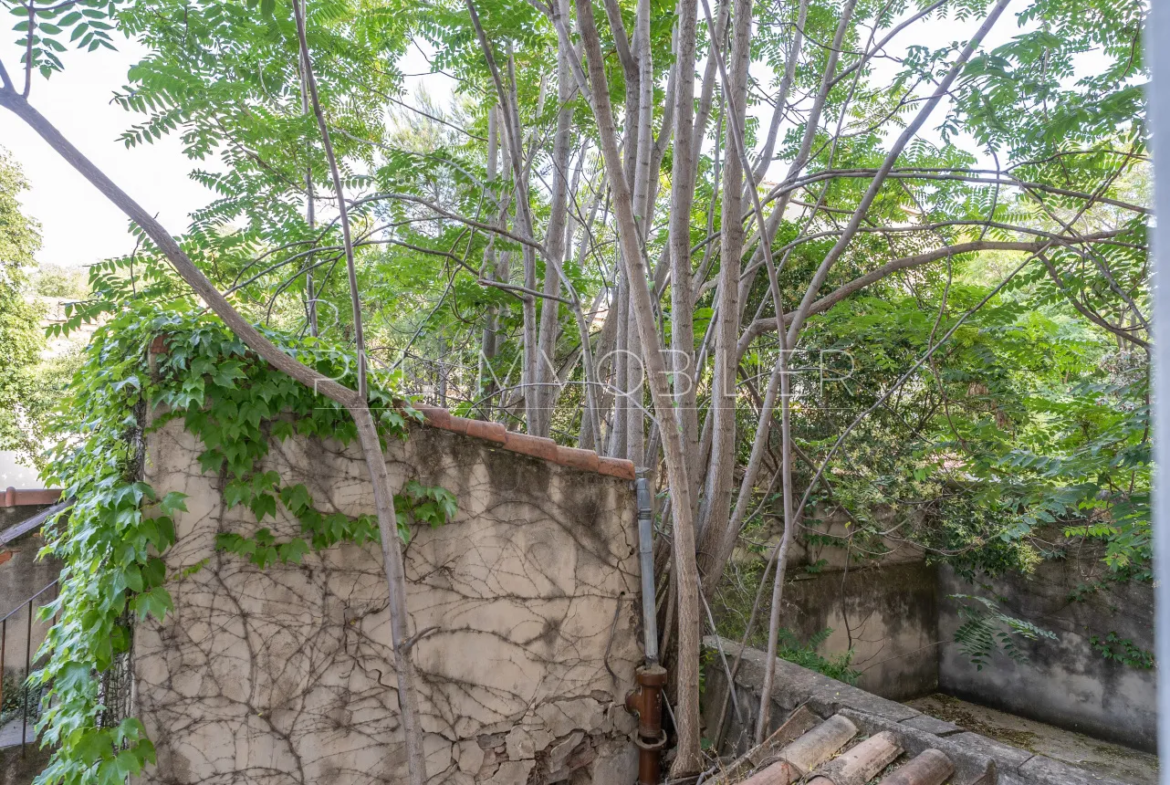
(932, 725)
(978, 760)
(823, 695)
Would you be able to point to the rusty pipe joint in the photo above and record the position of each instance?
(645, 701)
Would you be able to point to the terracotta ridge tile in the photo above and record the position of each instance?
(524, 444)
(24, 497)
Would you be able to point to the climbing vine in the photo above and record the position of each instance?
(113, 539)
(1114, 647)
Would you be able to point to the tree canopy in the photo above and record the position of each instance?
(790, 258)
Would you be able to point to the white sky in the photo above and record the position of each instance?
(79, 226)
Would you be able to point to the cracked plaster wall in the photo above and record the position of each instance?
(284, 676)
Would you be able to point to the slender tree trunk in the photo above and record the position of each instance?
(717, 497)
(621, 369)
(487, 349)
(644, 133)
(688, 759)
(802, 312)
(812, 124)
(682, 196)
(707, 93)
(393, 563)
(765, 158)
(375, 461)
(540, 417)
(883, 172)
(343, 212)
(310, 207)
(512, 135)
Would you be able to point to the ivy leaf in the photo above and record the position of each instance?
(237, 492)
(282, 429)
(263, 504)
(73, 676)
(130, 577)
(103, 653)
(155, 602)
(173, 501)
(296, 498)
(94, 745)
(154, 572)
(293, 551)
(127, 764)
(226, 373)
(129, 730)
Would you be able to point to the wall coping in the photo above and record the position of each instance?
(513, 441)
(524, 444)
(29, 497)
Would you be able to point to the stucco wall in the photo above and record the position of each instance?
(285, 675)
(887, 616)
(1063, 682)
(885, 611)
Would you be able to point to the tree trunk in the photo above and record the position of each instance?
(717, 496)
(682, 196)
(688, 758)
(540, 416)
(487, 349)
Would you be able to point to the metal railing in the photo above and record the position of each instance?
(26, 707)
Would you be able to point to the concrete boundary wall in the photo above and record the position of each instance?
(899, 618)
(1064, 682)
(285, 675)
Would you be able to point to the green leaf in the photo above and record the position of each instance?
(263, 504)
(94, 745)
(293, 551)
(156, 602)
(172, 502)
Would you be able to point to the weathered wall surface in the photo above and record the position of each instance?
(897, 617)
(285, 675)
(10, 516)
(17, 768)
(21, 576)
(886, 612)
(888, 617)
(1064, 682)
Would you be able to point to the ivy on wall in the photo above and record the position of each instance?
(112, 540)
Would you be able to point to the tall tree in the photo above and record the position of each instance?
(598, 212)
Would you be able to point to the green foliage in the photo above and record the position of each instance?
(114, 537)
(1032, 420)
(47, 31)
(986, 629)
(61, 282)
(1023, 96)
(1029, 423)
(1123, 650)
(20, 340)
(804, 654)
